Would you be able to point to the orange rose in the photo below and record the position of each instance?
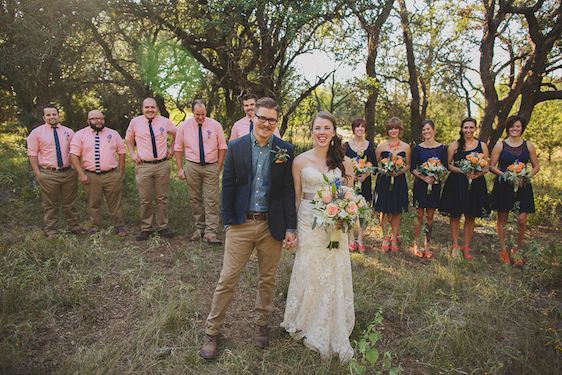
(519, 167)
(483, 163)
(511, 167)
(399, 163)
(384, 160)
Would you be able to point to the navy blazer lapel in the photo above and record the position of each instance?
(272, 165)
(246, 147)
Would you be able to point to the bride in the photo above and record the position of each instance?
(320, 297)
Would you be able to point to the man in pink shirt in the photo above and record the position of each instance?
(147, 141)
(93, 152)
(246, 124)
(48, 149)
(202, 141)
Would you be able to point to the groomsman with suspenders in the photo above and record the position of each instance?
(93, 152)
(147, 141)
(202, 141)
(48, 149)
(246, 124)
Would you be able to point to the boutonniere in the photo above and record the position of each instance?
(281, 155)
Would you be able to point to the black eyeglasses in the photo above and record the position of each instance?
(271, 121)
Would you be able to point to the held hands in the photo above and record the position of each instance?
(290, 240)
(170, 153)
(181, 174)
(135, 158)
(362, 177)
(429, 180)
(84, 180)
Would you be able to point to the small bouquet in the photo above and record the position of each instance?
(361, 166)
(518, 174)
(472, 163)
(337, 206)
(390, 166)
(433, 168)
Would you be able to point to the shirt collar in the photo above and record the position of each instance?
(254, 142)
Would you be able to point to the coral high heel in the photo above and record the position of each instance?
(517, 258)
(352, 246)
(504, 257)
(417, 252)
(394, 247)
(456, 252)
(385, 244)
(466, 253)
(361, 247)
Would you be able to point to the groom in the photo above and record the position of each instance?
(258, 211)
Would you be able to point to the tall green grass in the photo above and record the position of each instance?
(105, 305)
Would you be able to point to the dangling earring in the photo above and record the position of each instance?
(332, 142)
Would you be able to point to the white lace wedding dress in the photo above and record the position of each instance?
(320, 297)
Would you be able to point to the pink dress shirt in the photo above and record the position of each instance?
(41, 143)
(111, 143)
(242, 127)
(138, 131)
(187, 139)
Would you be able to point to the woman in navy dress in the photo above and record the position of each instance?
(460, 198)
(358, 146)
(392, 200)
(426, 203)
(504, 198)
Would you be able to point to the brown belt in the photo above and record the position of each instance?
(102, 172)
(153, 161)
(63, 169)
(260, 216)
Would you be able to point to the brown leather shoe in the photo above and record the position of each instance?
(262, 337)
(209, 348)
(212, 239)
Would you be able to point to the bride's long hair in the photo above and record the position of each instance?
(335, 155)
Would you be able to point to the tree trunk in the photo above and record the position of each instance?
(415, 115)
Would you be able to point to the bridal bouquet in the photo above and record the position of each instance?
(518, 174)
(391, 166)
(433, 168)
(472, 163)
(337, 207)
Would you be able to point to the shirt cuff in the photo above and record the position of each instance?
(292, 230)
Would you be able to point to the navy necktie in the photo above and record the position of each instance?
(57, 147)
(201, 149)
(251, 126)
(97, 152)
(153, 140)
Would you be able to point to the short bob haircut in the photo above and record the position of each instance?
(511, 120)
(357, 123)
(394, 123)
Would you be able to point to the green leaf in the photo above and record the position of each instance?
(362, 346)
(326, 179)
(372, 355)
(394, 371)
(374, 337)
(387, 361)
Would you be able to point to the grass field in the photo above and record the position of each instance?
(105, 305)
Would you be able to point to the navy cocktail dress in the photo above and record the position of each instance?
(419, 156)
(504, 198)
(457, 199)
(366, 185)
(395, 200)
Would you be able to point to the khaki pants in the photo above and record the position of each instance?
(108, 185)
(152, 183)
(239, 244)
(203, 189)
(58, 187)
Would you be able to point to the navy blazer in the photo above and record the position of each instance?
(237, 180)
